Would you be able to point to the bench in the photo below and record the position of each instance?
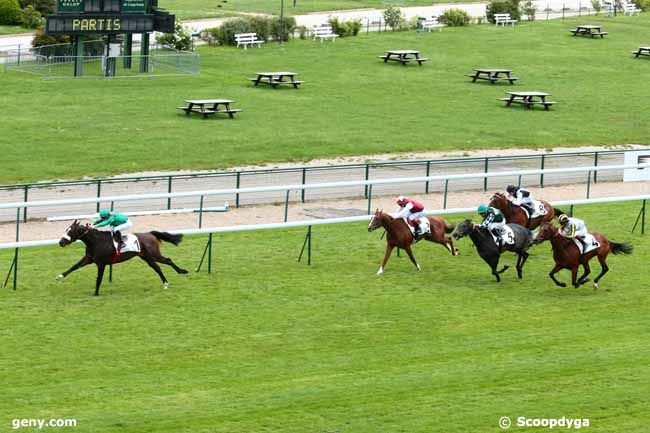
(246, 39)
(492, 79)
(529, 104)
(276, 83)
(503, 19)
(642, 51)
(592, 34)
(630, 9)
(324, 32)
(431, 23)
(404, 61)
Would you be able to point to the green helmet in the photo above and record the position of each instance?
(482, 209)
(104, 213)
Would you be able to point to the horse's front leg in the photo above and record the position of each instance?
(574, 276)
(551, 274)
(523, 256)
(100, 276)
(409, 251)
(389, 251)
(85, 260)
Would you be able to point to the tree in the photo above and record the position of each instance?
(180, 40)
(393, 17)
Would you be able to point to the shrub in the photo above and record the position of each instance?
(642, 4)
(302, 32)
(597, 6)
(393, 17)
(45, 7)
(455, 18)
(179, 40)
(529, 9)
(31, 18)
(337, 26)
(225, 34)
(353, 27)
(10, 13)
(259, 25)
(282, 33)
(503, 7)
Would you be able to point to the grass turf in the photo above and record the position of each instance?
(351, 103)
(12, 30)
(269, 345)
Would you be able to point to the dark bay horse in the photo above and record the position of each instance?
(516, 215)
(567, 255)
(399, 235)
(489, 251)
(100, 250)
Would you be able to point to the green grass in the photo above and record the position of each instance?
(12, 30)
(351, 103)
(186, 9)
(266, 344)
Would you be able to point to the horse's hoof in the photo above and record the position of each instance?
(165, 285)
(419, 268)
(595, 286)
(183, 271)
(562, 284)
(59, 277)
(380, 271)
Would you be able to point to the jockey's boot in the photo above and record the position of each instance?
(529, 209)
(118, 239)
(584, 248)
(416, 230)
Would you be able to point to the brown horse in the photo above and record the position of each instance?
(516, 215)
(100, 250)
(567, 255)
(399, 235)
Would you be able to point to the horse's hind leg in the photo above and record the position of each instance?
(521, 259)
(169, 262)
(605, 268)
(85, 260)
(409, 251)
(156, 268)
(587, 270)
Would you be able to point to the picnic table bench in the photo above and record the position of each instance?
(504, 19)
(429, 24)
(630, 9)
(275, 79)
(492, 75)
(403, 56)
(246, 39)
(588, 30)
(324, 32)
(528, 99)
(642, 51)
(206, 107)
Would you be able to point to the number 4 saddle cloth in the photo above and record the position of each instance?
(590, 242)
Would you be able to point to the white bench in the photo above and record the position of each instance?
(246, 39)
(431, 23)
(503, 19)
(630, 9)
(324, 32)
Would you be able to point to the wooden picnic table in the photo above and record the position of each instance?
(642, 51)
(275, 79)
(492, 75)
(206, 107)
(588, 30)
(528, 99)
(403, 56)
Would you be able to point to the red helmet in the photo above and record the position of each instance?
(401, 200)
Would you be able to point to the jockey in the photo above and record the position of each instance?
(117, 223)
(493, 220)
(573, 228)
(412, 210)
(520, 197)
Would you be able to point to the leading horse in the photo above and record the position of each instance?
(567, 255)
(100, 250)
(517, 215)
(399, 235)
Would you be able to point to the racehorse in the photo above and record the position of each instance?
(517, 215)
(567, 255)
(489, 251)
(399, 235)
(100, 250)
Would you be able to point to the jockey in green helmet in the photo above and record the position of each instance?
(493, 220)
(117, 223)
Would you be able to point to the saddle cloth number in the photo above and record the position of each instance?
(508, 237)
(425, 227)
(131, 244)
(539, 209)
(590, 241)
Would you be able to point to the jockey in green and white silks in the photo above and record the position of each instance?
(117, 223)
(493, 220)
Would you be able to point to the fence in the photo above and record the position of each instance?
(308, 175)
(307, 244)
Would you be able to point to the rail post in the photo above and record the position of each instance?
(444, 200)
(304, 179)
(571, 211)
(286, 207)
(640, 216)
(596, 165)
(237, 183)
(588, 183)
(110, 273)
(25, 200)
(485, 170)
(426, 185)
(99, 193)
(369, 198)
(169, 191)
(365, 188)
(306, 243)
(201, 212)
(541, 167)
(519, 181)
(207, 250)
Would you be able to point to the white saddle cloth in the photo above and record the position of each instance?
(538, 209)
(590, 241)
(425, 227)
(508, 237)
(130, 242)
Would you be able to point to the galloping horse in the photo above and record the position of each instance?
(399, 235)
(516, 215)
(488, 250)
(99, 250)
(567, 255)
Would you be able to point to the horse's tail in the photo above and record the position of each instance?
(450, 228)
(621, 248)
(168, 237)
(558, 212)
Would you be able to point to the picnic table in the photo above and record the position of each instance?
(275, 79)
(642, 51)
(528, 99)
(206, 107)
(492, 75)
(403, 56)
(588, 30)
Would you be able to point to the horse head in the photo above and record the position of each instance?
(377, 220)
(546, 232)
(499, 201)
(73, 233)
(464, 229)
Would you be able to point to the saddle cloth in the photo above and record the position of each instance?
(130, 242)
(590, 241)
(538, 209)
(425, 227)
(508, 237)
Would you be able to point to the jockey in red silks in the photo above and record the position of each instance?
(412, 210)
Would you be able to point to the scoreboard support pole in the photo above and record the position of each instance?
(144, 53)
(78, 56)
(128, 50)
